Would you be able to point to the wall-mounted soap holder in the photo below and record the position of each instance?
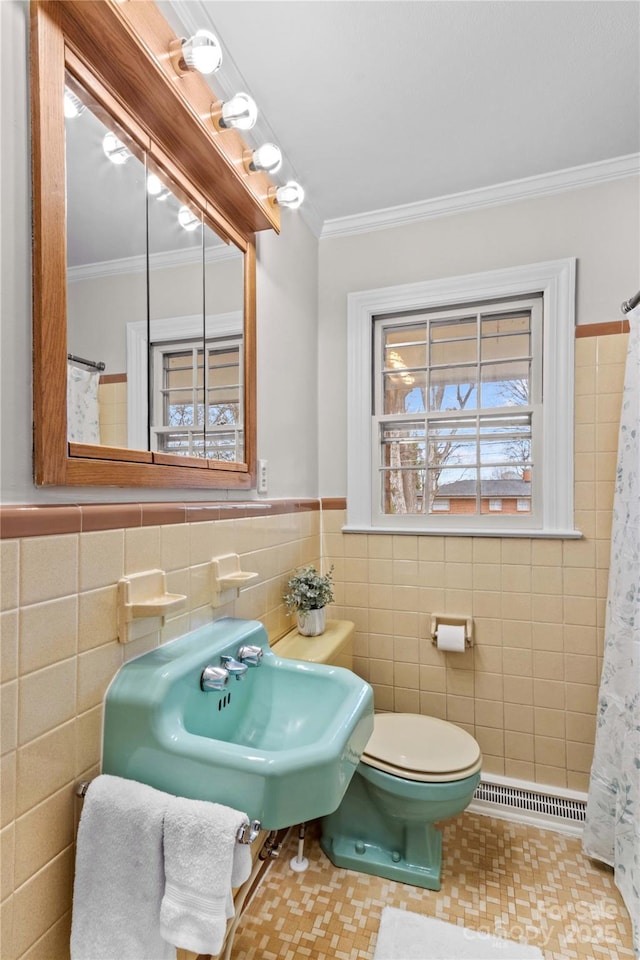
(141, 596)
(438, 619)
(227, 577)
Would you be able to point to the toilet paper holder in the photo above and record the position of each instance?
(466, 622)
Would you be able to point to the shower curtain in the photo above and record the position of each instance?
(82, 405)
(612, 830)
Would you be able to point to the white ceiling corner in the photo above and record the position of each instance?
(389, 111)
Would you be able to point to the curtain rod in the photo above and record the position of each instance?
(97, 365)
(630, 303)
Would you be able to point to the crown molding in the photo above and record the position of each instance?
(509, 192)
(157, 261)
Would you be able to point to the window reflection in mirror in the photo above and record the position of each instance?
(155, 295)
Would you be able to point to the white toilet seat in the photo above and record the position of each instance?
(420, 748)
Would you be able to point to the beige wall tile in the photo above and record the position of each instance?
(9, 570)
(88, 740)
(549, 722)
(8, 645)
(517, 662)
(48, 568)
(101, 558)
(487, 576)
(97, 618)
(551, 776)
(96, 669)
(581, 727)
(7, 859)
(48, 633)
(550, 751)
(47, 700)
(44, 766)
(43, 900)
(579, 756)
(54, 944)
(405, 547)
(548, 665)
(43, 833)
(7, 789)
(518, 718)
(581, 697)
(518, 746)
(518, 634)
(406, 701)
(433, 705)
(460, 709)
(490, 740)
(548, 636)
(490, 713)
(141, 549)
(8, 716)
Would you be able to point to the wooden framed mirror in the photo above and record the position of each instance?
(144, 259)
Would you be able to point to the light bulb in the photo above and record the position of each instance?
(267, 158)
(240, 112)
(115, 149)
(73, 105)
(290, 195)
(188, 219)
(156, 188)
(202, 52)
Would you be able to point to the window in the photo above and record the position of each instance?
(461, 393)
(197, 399)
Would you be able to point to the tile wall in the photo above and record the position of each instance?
(527, 690)
(59, 654)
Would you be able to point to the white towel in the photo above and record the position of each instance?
(202, 861)
(119, 877)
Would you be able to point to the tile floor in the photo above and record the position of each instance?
(519, 882)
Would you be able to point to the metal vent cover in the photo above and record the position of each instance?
(541, 803)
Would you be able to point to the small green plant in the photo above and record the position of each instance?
(309, 590)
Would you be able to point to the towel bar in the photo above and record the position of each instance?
(247, 833)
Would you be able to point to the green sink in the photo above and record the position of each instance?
(281, 743)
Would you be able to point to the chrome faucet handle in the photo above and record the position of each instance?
(251, 654)
(214, 678)
(233, 666)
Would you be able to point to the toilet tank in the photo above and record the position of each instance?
(333, 647)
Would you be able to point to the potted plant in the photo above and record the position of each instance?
(308, 594)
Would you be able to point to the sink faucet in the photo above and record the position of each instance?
(251, 654)
(233, 667)
(214, 678)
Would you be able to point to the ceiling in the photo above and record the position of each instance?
(381, 103)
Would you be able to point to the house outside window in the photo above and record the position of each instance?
(462, 391)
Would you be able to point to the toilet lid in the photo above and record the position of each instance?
(421, 748)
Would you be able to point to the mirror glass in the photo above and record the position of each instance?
(154, 294)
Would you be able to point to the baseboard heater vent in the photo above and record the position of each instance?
(529, 806)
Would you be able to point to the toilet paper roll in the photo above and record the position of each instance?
(450, 638)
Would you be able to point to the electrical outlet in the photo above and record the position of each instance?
(262, 476)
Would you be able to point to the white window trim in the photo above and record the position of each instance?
(555, 280)
(169, 328)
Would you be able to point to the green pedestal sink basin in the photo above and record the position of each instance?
(281, 743)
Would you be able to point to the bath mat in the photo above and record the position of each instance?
(409, 936)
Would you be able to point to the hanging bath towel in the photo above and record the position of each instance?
(203, 861)
(119, 878)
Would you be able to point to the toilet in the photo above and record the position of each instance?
(416, 771)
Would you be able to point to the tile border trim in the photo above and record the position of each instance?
(39, 520)
(601, 329)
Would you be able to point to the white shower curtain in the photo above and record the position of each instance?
(83, 423)
(612, 830)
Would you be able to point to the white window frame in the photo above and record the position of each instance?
(168, 328)
(555, 281)
(523, 504)
(495, 504)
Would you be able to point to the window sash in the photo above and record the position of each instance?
(219, 441)
(555, 280)
(470, 321)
